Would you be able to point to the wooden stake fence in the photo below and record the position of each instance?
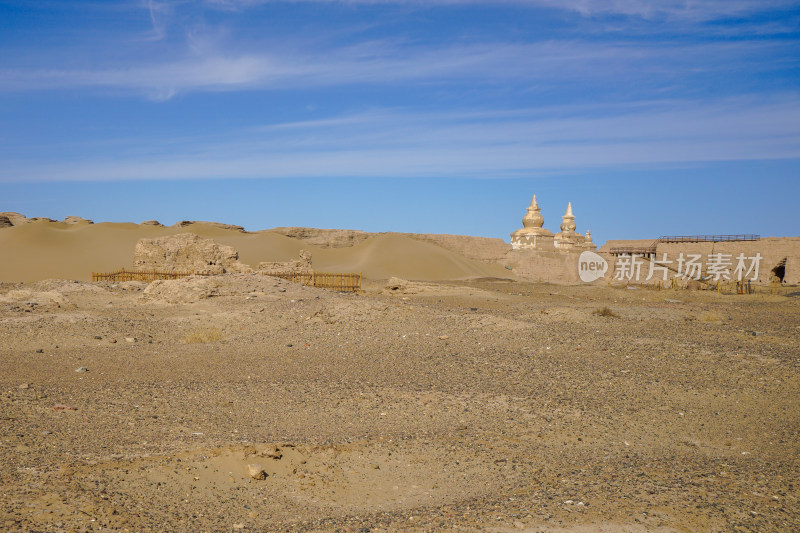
(345, 282)
(141, 275)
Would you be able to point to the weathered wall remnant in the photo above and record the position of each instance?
(325, 238)
(74, 220)
(303, 264)
(778, 256)
(187, 252)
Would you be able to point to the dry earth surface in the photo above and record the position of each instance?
(242, 402)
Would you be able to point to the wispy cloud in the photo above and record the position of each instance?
(553, 62)
(698, 116)
(678, 9)
(697, 10)
(158, 11)
(506, 143)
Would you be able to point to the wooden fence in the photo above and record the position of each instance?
(141, 275)
(346, 282)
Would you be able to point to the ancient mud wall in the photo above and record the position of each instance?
(187, 252)
(774, 252)
(325, 238)
(303, 264)
(547, 266)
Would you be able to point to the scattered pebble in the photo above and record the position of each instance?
(256, 471)
(219, 407)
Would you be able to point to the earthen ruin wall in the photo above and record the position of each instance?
(546, 266)
(772, 249)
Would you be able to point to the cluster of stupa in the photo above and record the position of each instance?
(533, 236)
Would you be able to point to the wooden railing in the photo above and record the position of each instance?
(638, 250)
(651, 248)
(709, 238)
(346, 282)
(142, 275)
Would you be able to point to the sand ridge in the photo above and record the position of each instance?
(42, 249)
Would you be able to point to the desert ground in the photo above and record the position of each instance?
(244, 402)
(468, 399)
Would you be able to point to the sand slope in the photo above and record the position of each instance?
(384, 256)
(43, 250)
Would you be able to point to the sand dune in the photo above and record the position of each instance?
(43, 250)
(385, 256)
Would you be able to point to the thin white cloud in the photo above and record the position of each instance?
(394, 143)
(696, 10)
(158, 29)
(552, 62)
(678, 9)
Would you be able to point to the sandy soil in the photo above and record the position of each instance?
(487, 405)
(45, 249)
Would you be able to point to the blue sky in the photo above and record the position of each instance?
(441, 116)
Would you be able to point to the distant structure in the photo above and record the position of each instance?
(533, 236)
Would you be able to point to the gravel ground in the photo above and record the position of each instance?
(488, 405)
